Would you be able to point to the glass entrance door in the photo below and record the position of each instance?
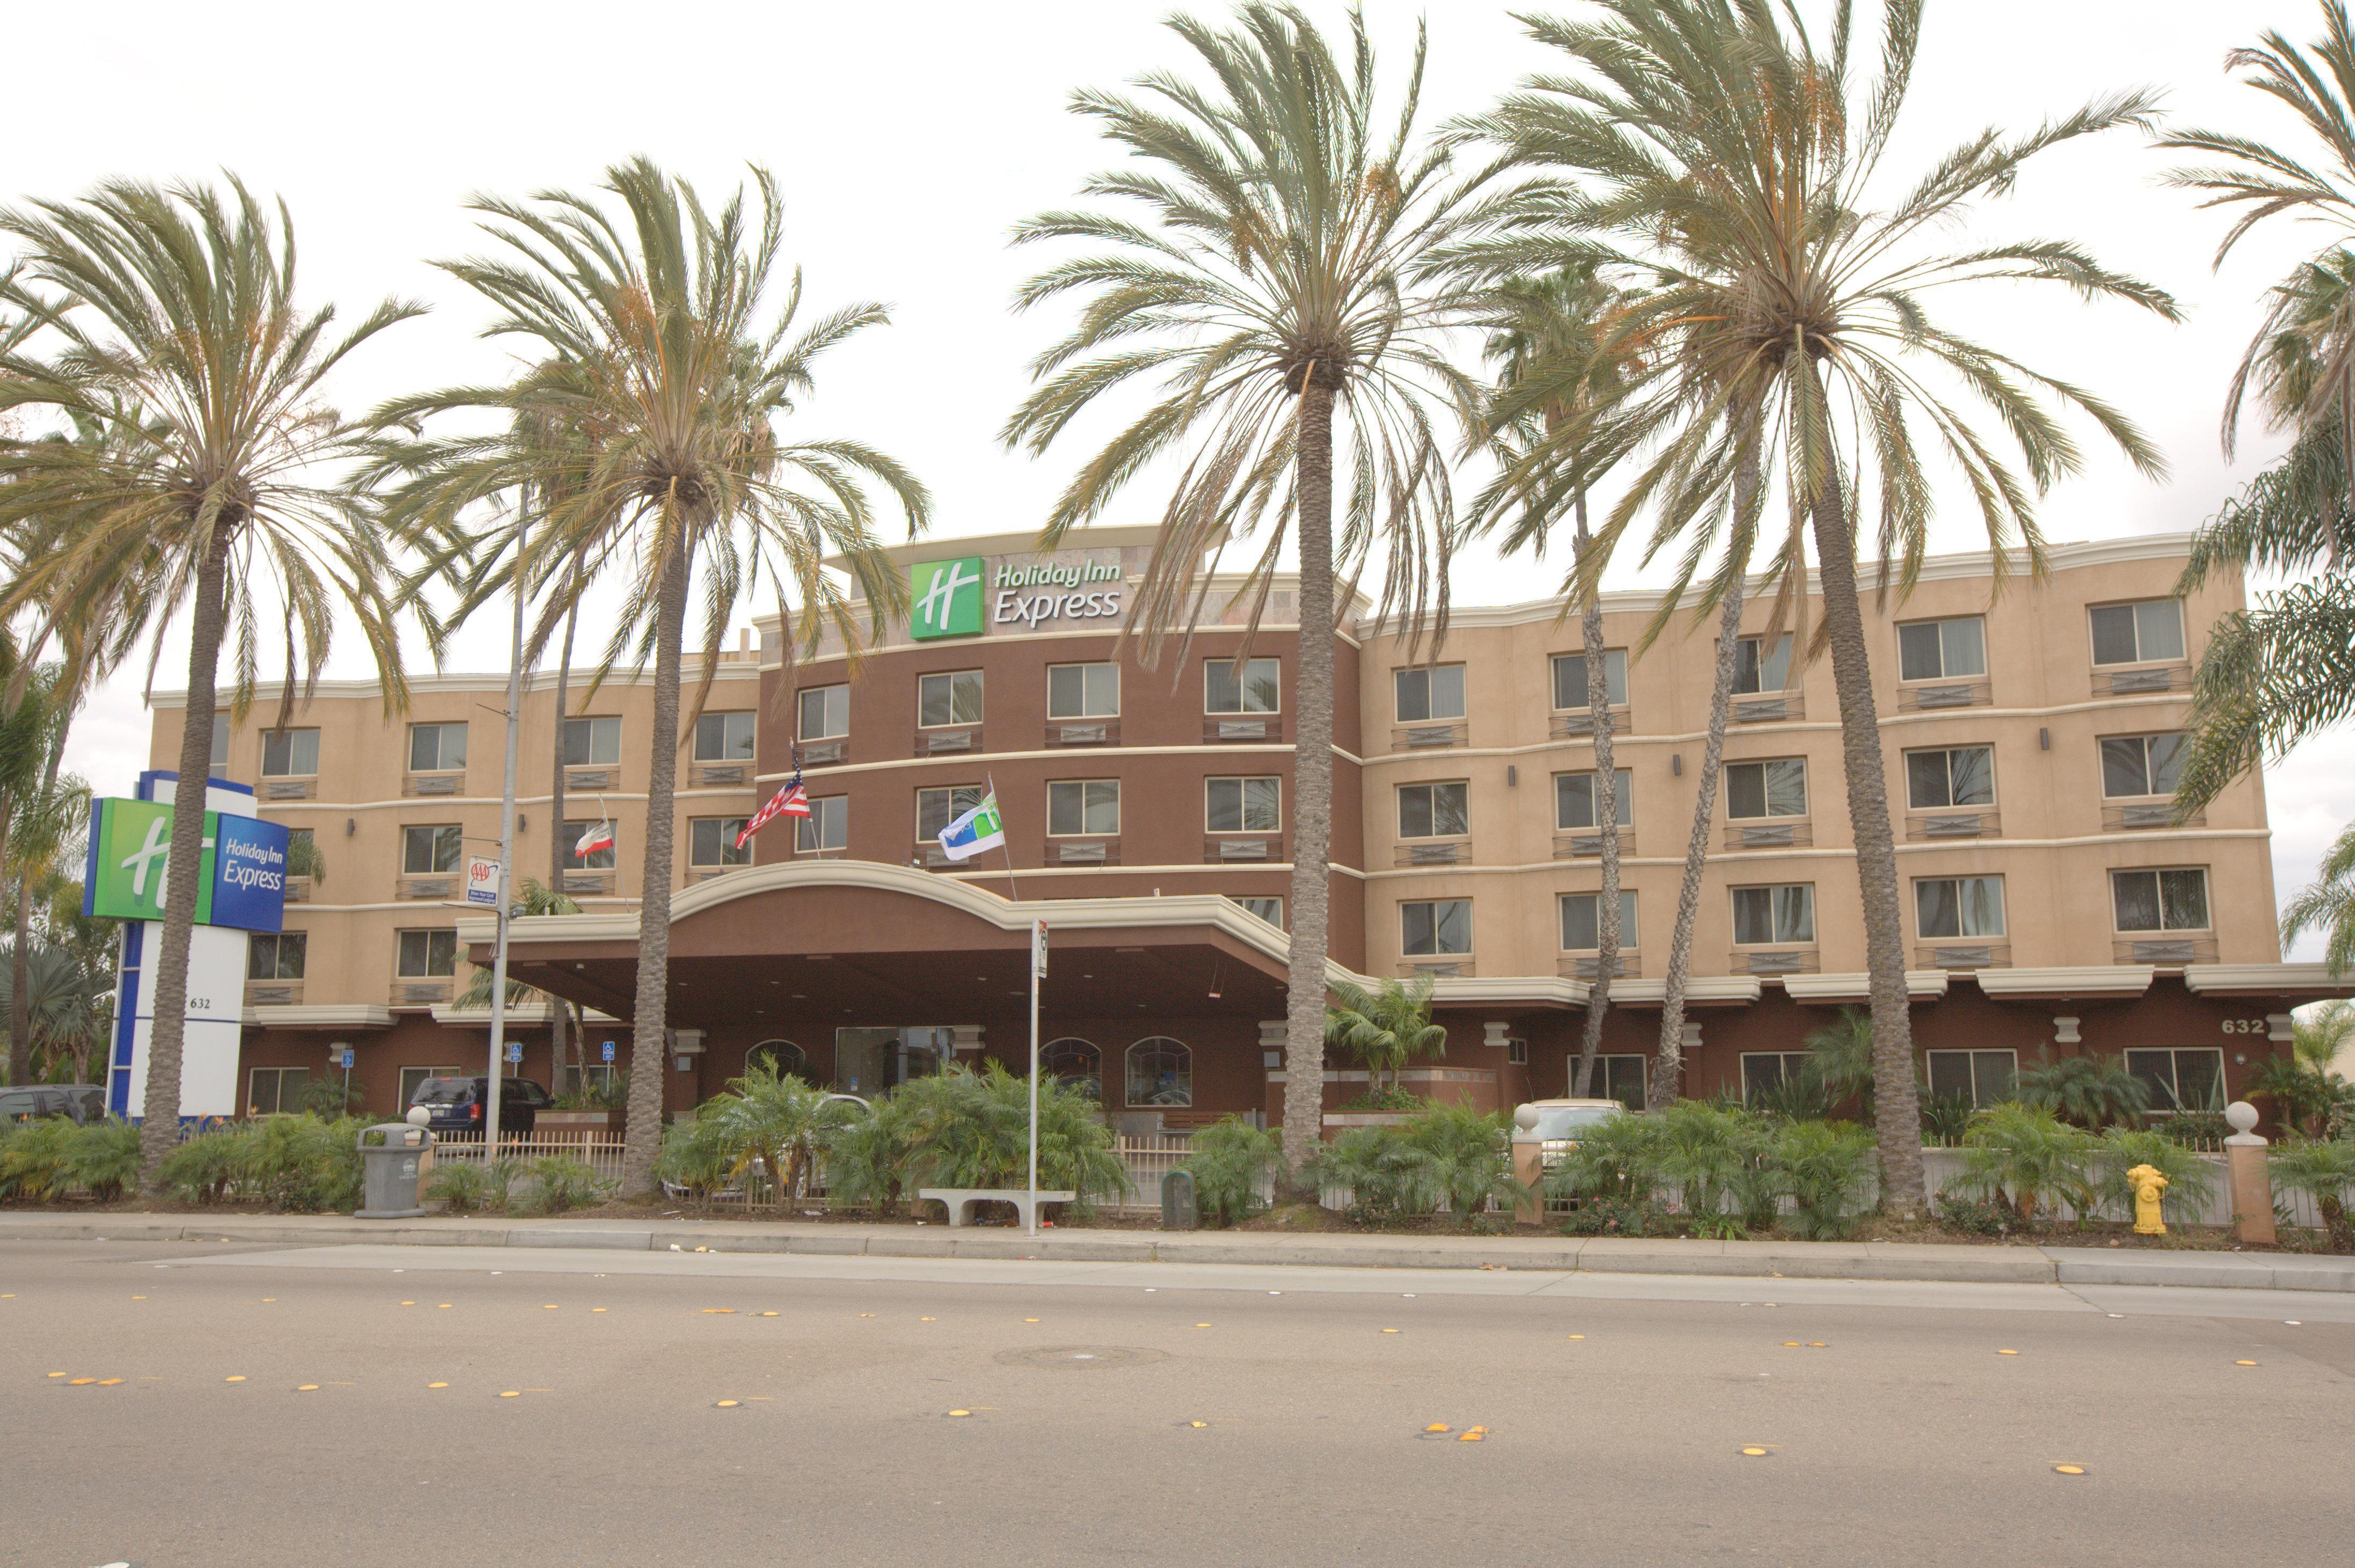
(870, 1060)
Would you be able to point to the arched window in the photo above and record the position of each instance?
(1076, 1065)
(786, 1057)
(1160, 1073)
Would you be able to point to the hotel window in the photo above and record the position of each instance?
(1764, 1071)
(1434, 810)
(1160, 1073)
(2138, 634)
(1942, 650)
(936, 809)
(2142, 764)
(290, 754)
(712, 841)
(436, 747)
(1570, 679)
(1259, 691)
(276, 1091)
(1777, 788)
(1428, 693)
(1084, 690)
(302, 855)
(1785, 913)
(1980, 1078)
(593, 742)
(1580, 932)
(1958, 775)
(1082, 806)
(428, 955)
(221, 743)
(1244, 806)
(1755, 669)
(1268, 909)
(595, 860)
(1958, 906)
(2186, 1078)
(950, 698)
(278, 957)
(1573, 800)
(1076, 1065)
(823, 713)
(724, 738)
(2160, 900)
(1619, 1078)
(425, 851)
(1428, 926)
(1517, 1051)
(827, 826)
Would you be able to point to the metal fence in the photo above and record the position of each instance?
(602, 1156)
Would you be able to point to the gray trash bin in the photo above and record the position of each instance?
(389, 1155)
(1177, 1208)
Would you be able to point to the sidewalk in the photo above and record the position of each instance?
(1564, 1254)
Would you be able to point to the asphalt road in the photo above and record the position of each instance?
(391, 1405)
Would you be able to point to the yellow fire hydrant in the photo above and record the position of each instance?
(2147, 1185)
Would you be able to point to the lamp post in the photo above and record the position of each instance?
(507, 851)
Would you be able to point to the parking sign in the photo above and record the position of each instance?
(609, 1051)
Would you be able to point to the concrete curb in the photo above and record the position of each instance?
(1744, 1260)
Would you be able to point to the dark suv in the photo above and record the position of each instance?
(82, 1102)
(456, 1103)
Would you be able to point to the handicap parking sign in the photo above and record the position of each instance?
(515, 1051)
(608, 1050)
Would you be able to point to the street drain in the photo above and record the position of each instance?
(1080, 1357)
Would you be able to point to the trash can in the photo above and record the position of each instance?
(390, 1152)
(1178, 1211)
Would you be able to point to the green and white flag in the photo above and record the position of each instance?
(976, 830)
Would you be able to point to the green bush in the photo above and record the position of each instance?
(1823, 1167)
(1974, 1216)
(777, 1120)
(2194, 1129)
(467, 1186)
(2324, 1169)
(695, 1155)
(2191, 1178)
(33, 1160)
(105, 1158)
(1228, 1160)
(211, 1168)
(867, 1166)
(2090, 1091)
(558, 1182)
(1373, 1164)
(2025, 1156)
(302, 1165)
(1610, 1217)
(1945, 1118)
(1718, 1158)
(1457, 1159)
(960, 1127)
(1389, 1097)
(1615, 1161)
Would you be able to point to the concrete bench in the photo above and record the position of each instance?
(959, 1201)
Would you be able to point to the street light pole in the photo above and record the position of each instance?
(507, 852)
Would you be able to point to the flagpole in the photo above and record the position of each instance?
(1003, 842)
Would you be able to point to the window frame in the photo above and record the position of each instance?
(1247, 900)
(1406, 947)
(292, 737)
(1629, 926)
(1783, 1060)
(439, 728)
(2158, 887)
(2183, 633)
(1243, 685)
(1243, 782)
(825, 693)
(1615, 679)
(1760, 662)
(2173, 1085)
(955, 679)
(1085, 787)
(1623, 804)
(457, 846)
(1766, 795)
(1941, 623)
(277, 1090)
(729, 826)
(752, 735)
(401, 952)
(1608, 1064)
(809, 836)
(1973, 1065)
(1433, 786)
(1905, 765)
(974, 793)
(1070, 1045)
(1431, 675)
(614, 727)
(1774, 939)
(1084, 667)
(2149, 771)
(2003, 909)
(279, 942)
(1184, 1074)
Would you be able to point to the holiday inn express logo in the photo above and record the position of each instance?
(944, 598)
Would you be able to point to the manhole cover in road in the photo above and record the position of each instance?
(1081, 1357)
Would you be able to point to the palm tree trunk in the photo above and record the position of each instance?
(20, 964)
(1312, 786)
(1606, 822)
(1668, 1066)
(557, 1016)
(161, 1128)
(1897, 1110)
(649, 1042)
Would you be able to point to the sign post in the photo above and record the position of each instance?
(1038, 973)
(347, 1080)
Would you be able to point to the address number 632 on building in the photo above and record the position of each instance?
(2247, 1026)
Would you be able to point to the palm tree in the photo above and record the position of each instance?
(652, 334)
(169, 322)
(1385, 1028)
(1713, 151)
(2319, 1037)
(1266, 292)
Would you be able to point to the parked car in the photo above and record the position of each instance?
(82, 1102)
(455, 1105)
(1559, 1121)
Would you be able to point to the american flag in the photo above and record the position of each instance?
(791, 801)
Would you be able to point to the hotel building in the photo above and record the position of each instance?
(2031, 737)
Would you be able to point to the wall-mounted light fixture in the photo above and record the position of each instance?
(1512, 776)
(2044, 740)
(1676, 764)
(351, 826)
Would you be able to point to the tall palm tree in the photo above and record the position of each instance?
(1715, 151)
(169, 322)
(653, 331)
(1260, 283)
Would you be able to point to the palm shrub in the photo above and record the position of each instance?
(34, 1159)
(558, 1182)
(1824, 1166)
(2324, 1169)
(1385, 1028)
(963, 1127)
(332, 1098)
(304, 1165)
(1616, 1162)
(2306, 1099)
(105, 1158)
(2090, 1091)
(867, 1164)
(1228, 1160)
(466, 1185)
(1718, 1157)
(1841, 1054)
(2205, 1130)
(210, 1167)
(1373, 1164)
(2191, 1178)
(693, 1155)
(1457, 1159)
(776, 1119)
(2026, 1156)
(1800, 1095)
(1945, 1118)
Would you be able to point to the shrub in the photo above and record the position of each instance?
(693, 1156)
(865, 1167)
(1800, 1096)
(1719, 1157)
(210, 1167)
(1458, 1159)
(1610, 1217)
(465, 1186)
(558, 1182)
(303, 1165)
(960, 1127)
(105, 1158)
(2324, 1171)
(1228, 1160)
(1373, 1163)
(34, 1159)
(2191, 1179)
(1974, 1216)
(1945, 1118)
(2026, 1156)
(1822, 1166)
(1615, 1161)
(1388, 1098)
(2087, 1090)
(2194, 1129)
(775, 1119)
(333, 1099)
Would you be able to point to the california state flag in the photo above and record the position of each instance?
(595, 836)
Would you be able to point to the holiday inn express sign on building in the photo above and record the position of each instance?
(240, 879)
(970, 595)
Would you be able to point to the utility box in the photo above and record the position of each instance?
(390, 1164)
(1178, 1210)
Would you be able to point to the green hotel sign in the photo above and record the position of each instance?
(944, 598)
(241, 877)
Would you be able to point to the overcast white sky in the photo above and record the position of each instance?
(908, 137)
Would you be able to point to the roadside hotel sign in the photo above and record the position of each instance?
(483, 880)
(240, 879)
(974, 595)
